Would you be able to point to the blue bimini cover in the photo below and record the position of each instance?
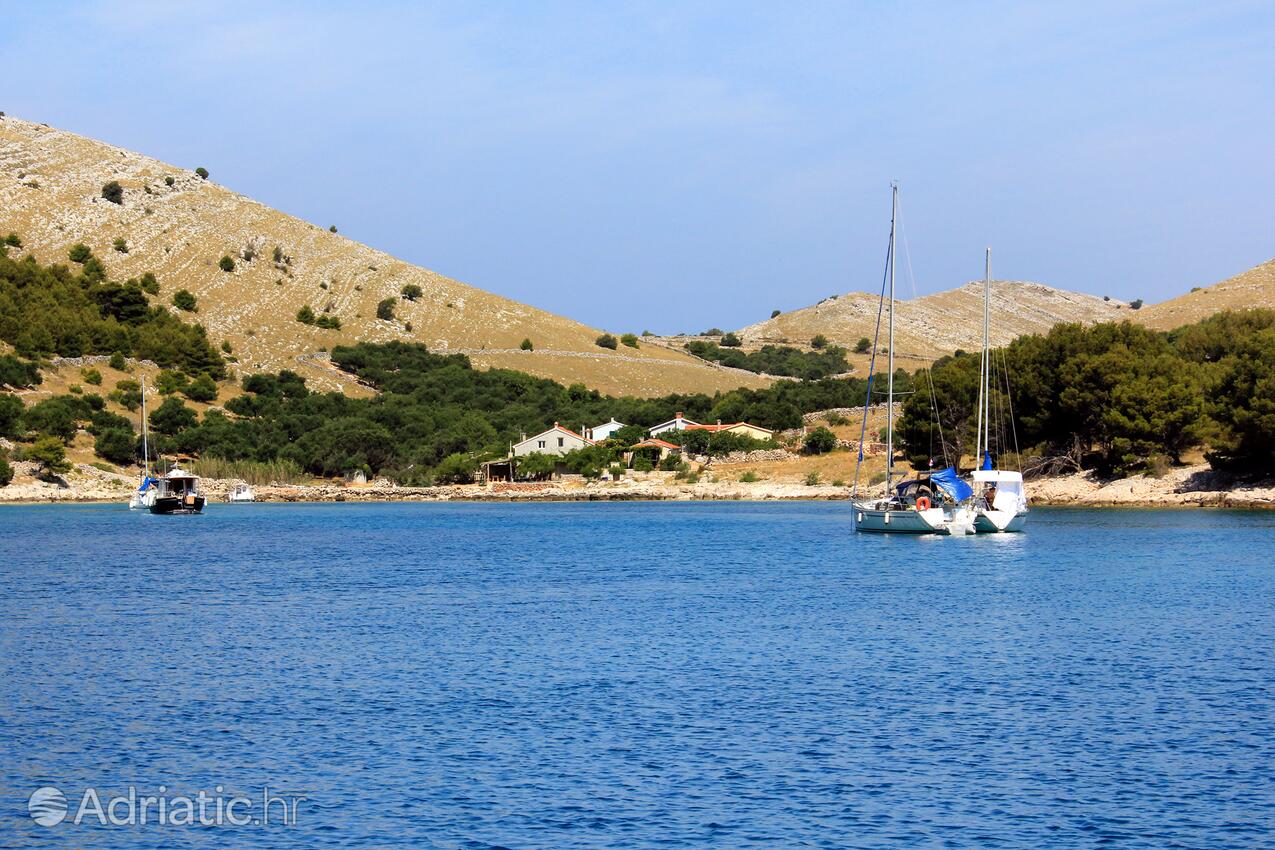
(951, 484)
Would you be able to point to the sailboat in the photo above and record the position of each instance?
(1000, 502)
(936, 503)
(144, 495)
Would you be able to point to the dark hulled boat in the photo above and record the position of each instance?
(178, 493)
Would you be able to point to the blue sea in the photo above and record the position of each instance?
(635, 675)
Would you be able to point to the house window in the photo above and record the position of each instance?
(560, 443)
(542, 444)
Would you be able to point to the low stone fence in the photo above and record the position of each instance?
(755, 456)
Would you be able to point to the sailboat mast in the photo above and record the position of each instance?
(889, 404)
(985, 411)
(146, 453)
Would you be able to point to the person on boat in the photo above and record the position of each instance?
(989, 495)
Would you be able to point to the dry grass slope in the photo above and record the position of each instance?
(938, 324)
(51, 195)
(1253, 288)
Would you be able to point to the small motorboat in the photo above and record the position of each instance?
(178, 493)
(241, 492)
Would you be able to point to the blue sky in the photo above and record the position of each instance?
(683, 165)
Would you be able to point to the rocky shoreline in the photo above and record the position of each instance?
(1192, 486)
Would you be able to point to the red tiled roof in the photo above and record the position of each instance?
(654, 443)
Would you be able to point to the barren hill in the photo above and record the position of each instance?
(1253, 288)
(938, 324)
(179, 226)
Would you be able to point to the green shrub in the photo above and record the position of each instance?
(819, 341)
(80, 253)
(385, 309)
(1135, 304)
(862, 346)
(226, 346)
(642, 463)
(607, 341)
(168, 181)
(305, 315)
(170, 382)
(527, 345)
(328, 322)
(812, 480)
(50, 454)
(118, 445)
(58, 416)
(202, 389)
(774, 313)
(730, 340)
(120, 245)
(630, 340)
(748, 477)
(11, 409)
(18, 373)
(118, 362)
(149, 283)
(226, 263)
(13, 240)
(104, 420)
(6, 471)
(172, 417)
(332, 228)
(128, 394)
(184, 300)
(113, 192)
(91, 376)
(456, 468)
(411, 292)
(202, 172)
(672, 462)
(819, 441)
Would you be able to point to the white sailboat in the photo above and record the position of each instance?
(933, 504)
(1000, 502)
(144, 495)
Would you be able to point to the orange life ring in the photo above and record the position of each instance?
(923, 503)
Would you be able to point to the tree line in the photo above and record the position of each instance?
(48, 310)
(1117, 398)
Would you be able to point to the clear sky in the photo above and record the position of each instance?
(675, 166)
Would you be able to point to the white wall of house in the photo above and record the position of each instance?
(555, 441)
(602, 432)
(677, 423)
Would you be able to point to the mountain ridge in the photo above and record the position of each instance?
(179, 226)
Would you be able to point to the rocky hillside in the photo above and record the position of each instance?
(1253, 288)
(938, 324)
(180, 226)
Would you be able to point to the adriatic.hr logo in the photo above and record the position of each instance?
(49, 807)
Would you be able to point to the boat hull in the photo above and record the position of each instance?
(877, 521)
(999, 522)
(178, 505)
(140, 501)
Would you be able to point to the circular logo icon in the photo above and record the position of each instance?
(47, 806)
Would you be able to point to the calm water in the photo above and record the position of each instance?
(642, 675)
